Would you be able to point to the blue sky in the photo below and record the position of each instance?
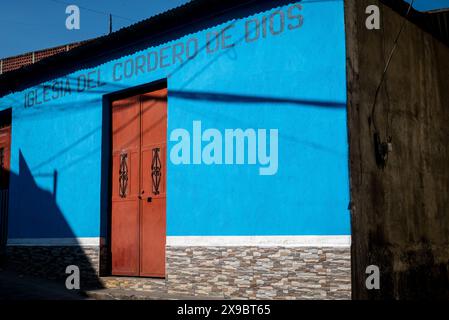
(28, 25)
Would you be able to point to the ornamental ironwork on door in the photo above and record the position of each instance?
(156, 167)
(123, 175)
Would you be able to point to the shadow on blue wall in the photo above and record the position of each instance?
(46, 212)
(46, 218)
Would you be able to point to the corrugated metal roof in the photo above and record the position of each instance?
(157, 29)
(188, 18)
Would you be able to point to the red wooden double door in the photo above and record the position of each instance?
(139, 148)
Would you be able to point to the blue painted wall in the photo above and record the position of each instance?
(293, 81)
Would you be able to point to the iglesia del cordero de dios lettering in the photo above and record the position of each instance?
(62, 87)
(213, 42)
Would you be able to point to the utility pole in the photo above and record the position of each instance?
(110, 23)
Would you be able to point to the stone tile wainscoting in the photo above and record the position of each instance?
(260, 272)
(250, 273)
(240, 272)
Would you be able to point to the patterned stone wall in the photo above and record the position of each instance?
(250, 273)
(220, 272)
(261, 273)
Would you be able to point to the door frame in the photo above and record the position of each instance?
(105, 260)
(5, 121)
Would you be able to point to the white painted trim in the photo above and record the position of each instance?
(259, 241)
(48, 242)
(205, 241)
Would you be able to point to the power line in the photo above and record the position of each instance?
(387, 65)
(94, 10)
(381, 148)
(27, 23)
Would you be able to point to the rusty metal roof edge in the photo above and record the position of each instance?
(48, 49)
(436, 11)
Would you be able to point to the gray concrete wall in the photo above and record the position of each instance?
(400, 214)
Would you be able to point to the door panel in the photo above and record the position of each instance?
(139, 150)
(153, 164)
(125, 186)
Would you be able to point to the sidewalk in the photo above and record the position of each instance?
(120, 294)
(14, 286)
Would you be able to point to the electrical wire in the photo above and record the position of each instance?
(27, 23)
(373, 108)
(94, 10)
